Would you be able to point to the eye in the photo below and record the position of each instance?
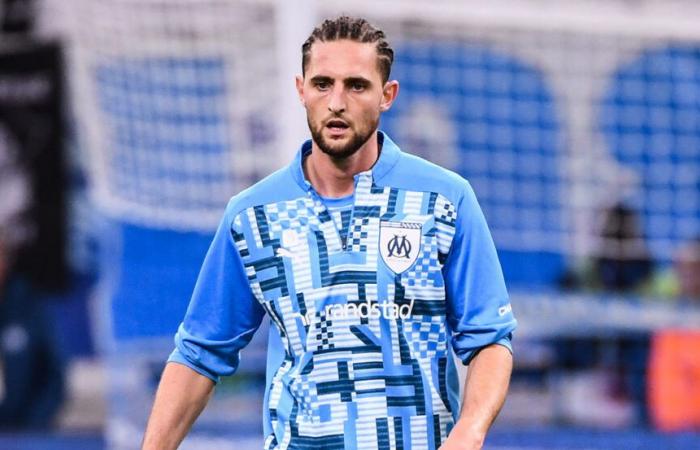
(357, 86)
(322, 85)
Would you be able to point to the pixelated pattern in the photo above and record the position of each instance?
(358, 237)
(305, 391)
(324, 337)
(292, 215)
(445, 211)
(341, 216)
(427, 336)
(424, 270)
(445, 222)
(365, 358)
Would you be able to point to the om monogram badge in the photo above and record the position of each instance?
(399, 244)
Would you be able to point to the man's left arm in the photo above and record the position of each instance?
(484, 394)
(481, 323)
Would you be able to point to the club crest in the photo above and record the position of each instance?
(399, 244)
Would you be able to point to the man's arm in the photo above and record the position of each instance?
(181, 397)
(484, 393)
(481, 321)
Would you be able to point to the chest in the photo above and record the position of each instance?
(389, 245)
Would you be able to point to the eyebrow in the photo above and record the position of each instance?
(361, 80)
(346, 81)
(321, 78)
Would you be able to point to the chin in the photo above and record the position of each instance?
(341, 147)
(340, 152)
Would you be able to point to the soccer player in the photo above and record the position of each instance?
(372, 265)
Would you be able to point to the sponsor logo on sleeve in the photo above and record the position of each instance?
(503, 310)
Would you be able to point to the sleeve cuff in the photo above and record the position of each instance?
(177, 357)
(504, 341)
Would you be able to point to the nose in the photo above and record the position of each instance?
(336, 102)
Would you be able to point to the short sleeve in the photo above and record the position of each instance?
(478, 308)
(223, 314)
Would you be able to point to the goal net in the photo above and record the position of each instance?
(172, 99)
(555, 112)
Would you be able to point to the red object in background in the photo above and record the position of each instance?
(673, 387)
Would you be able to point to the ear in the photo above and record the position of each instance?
(299, 80)
(391, 90)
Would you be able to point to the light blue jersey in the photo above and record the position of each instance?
(363, 319)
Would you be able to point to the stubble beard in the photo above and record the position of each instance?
(356, 142)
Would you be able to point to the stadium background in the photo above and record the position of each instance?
(555, 111)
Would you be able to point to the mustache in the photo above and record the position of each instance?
(336, 117)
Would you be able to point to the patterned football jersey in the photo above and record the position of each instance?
(364, 316)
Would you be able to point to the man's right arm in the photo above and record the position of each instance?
(182, 395)
(221, 319)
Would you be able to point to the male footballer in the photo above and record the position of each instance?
(372, 265)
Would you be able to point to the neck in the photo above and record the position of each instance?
(332, 177)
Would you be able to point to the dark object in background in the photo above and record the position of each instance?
(31, 96)
(32, 126)
(33, 373)
(17, 16)
(623, 356)
(686, 266)
(624, 262)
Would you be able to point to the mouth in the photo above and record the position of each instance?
(337, 126)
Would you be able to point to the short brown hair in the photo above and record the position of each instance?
(354, 29)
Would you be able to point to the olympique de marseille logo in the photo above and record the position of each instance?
(399, 244)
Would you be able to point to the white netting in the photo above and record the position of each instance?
(554, 111)
(171, 101)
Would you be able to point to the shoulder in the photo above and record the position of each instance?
(276, 187)
(414, 173)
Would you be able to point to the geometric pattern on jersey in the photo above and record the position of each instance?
(341, 216)
(357, 373)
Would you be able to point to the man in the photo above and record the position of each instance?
(371, 264)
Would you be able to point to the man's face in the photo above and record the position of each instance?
(343, 94)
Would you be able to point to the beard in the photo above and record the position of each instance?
(357, 139)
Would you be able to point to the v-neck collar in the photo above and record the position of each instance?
(388, 157)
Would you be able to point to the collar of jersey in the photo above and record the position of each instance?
(388, 158)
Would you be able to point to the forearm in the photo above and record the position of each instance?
(485, 392)
(182, 395)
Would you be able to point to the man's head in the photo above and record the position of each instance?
(345, 84)
(353, 29)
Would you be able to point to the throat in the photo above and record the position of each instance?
(328, 178)
(335, 177)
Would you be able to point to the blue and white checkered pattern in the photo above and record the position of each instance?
(359, 235)
(427, 336)
(351, 339)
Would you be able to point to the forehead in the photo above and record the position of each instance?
(342, 59)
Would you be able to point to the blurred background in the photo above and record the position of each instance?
(126, 125)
